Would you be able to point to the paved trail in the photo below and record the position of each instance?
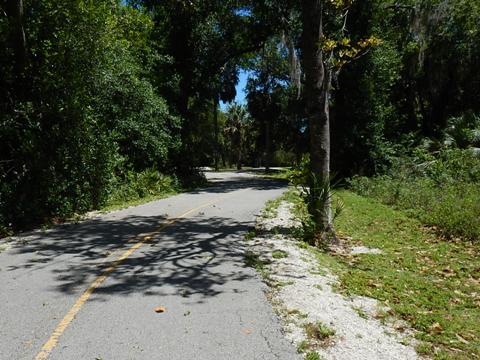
(88, 291)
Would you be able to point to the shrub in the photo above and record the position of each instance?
(134, 186)
(314, 192)
(441, 189)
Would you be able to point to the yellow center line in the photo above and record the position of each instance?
(52, 342)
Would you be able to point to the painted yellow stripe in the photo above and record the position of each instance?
(57, 333)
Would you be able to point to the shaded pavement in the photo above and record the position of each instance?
(215, 306)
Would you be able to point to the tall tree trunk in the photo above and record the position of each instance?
(268, 145)
(317, 91)
(239, 149)
(216, 146)
(14, 11)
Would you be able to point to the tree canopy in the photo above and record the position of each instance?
(93, 92)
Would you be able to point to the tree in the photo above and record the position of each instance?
(89, 112)
(268, 78)
(15, 13)
(235, 128)
(325, 49)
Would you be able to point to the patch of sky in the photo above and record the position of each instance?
(243, 11)
(240, 98)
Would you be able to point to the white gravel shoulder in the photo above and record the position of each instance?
(302, 293)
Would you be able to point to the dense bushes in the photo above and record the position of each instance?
(133, 186)
(80, 113)
(441, 189)
(423, 74)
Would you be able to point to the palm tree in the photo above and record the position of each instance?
(235, 128)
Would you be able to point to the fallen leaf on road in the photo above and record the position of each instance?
(247, 331)
(160, 309)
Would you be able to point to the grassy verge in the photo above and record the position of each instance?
(453, 209)
(282, 174)
(431, 283)
(149, 185)
(138, 188)
(442, 190)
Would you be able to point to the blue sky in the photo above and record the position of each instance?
(242, 83)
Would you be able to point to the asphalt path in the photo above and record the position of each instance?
(90, 290)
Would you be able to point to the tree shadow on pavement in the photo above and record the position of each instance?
(196, 257)
(241, 180)
(201, 256)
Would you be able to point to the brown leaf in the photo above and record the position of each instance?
(455, 301)
(374, 284)
(447, 272)
(435, 328)
(461, 339)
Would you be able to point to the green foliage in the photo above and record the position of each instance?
(80, 112)
(315, 193)
(430, 283)
(441, 189)
(147, 184)
(318, 331)
(421, 76)
(282, 157)
(303, 346)
(275, 106)
(143, 129)
(463, 131)
(279, 254)
(422, 278)
(236, 126)
(312, 355)
(193, 179)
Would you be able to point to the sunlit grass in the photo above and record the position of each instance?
(431, 283)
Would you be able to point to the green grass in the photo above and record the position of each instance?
(313, 356)
(441, 189)
(291, 195)
(270, 210)
(279, 254)
(278, 174)
(250, 235)
(122, 204)
(361, 312)
(452, 209)
(139, 188)
(318, 331)
(303, 346)
(431, 283)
